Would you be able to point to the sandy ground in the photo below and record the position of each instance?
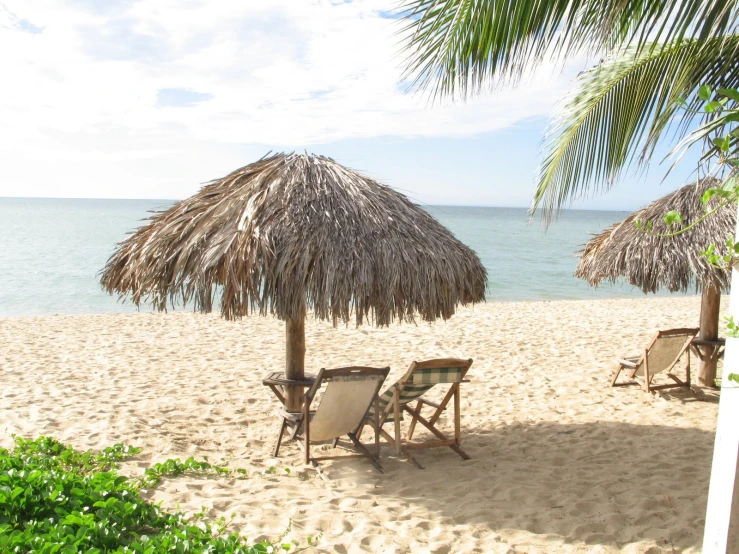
(560, 461)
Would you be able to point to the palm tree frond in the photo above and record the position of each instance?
(457, 47)
(619, 110)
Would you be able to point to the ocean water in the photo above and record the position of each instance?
(52, 250)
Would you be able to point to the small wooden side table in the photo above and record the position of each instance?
(277, 382)
(717, 352)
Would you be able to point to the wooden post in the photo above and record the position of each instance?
(294, 361)
(710, 305)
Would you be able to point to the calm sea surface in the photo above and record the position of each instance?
(51, 251)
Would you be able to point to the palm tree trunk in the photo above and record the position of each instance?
(294, 361)
(710, 305)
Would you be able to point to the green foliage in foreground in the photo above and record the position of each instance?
(54, 499)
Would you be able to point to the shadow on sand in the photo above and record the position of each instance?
(595, 483)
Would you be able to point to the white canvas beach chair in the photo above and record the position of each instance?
(418, 380)
(349, 393)
(661, 355)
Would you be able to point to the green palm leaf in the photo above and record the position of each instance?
(621, 108)
(460, 46)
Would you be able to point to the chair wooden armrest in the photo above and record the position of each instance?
(630, 362)
(290, 416)
(423, 401)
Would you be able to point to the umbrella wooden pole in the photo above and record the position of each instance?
(710, 305)
(295, 361)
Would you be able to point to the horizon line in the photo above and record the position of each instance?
(420, 204)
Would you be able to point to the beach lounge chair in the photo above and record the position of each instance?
(420, 378)
(349, 393)
(660, 356)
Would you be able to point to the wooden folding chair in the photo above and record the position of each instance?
(420, 378)
(350, 391)
(661, 355)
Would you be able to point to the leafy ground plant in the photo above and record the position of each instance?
(54, 499)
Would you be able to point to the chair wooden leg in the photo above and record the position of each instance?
(276, 451)
(396, 406)
(647, 374)
(412, 460)
(687, 368)
(358, 432)
(306, 431)
(646, 379)
(319, 471)
(412, 426)
(295, 430)
(390, 440)
(441, 436)
(677, 380)
(359, 446)
(377, 426)
(457, 418)
(615, 377)
(313, 463)
(387, 436)
(442, 405)
(462, 453)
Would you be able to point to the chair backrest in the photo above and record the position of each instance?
(421, 376)
(349, 393)
(664, 350)
(433, 372)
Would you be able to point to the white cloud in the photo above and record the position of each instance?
(283, 73)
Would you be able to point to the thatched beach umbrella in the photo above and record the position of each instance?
(295, 232)
(674, 263)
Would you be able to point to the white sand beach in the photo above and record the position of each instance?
(561, 463)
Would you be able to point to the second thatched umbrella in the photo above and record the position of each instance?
(674, 263)
(295, 232)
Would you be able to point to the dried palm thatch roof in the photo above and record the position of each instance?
(294, 228)
(650, 262)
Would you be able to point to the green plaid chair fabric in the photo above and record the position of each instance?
(419, 379)
(437, 375)
(422, 380)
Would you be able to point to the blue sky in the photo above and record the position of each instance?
(149, 99)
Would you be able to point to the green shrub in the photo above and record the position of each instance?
(54, 499)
